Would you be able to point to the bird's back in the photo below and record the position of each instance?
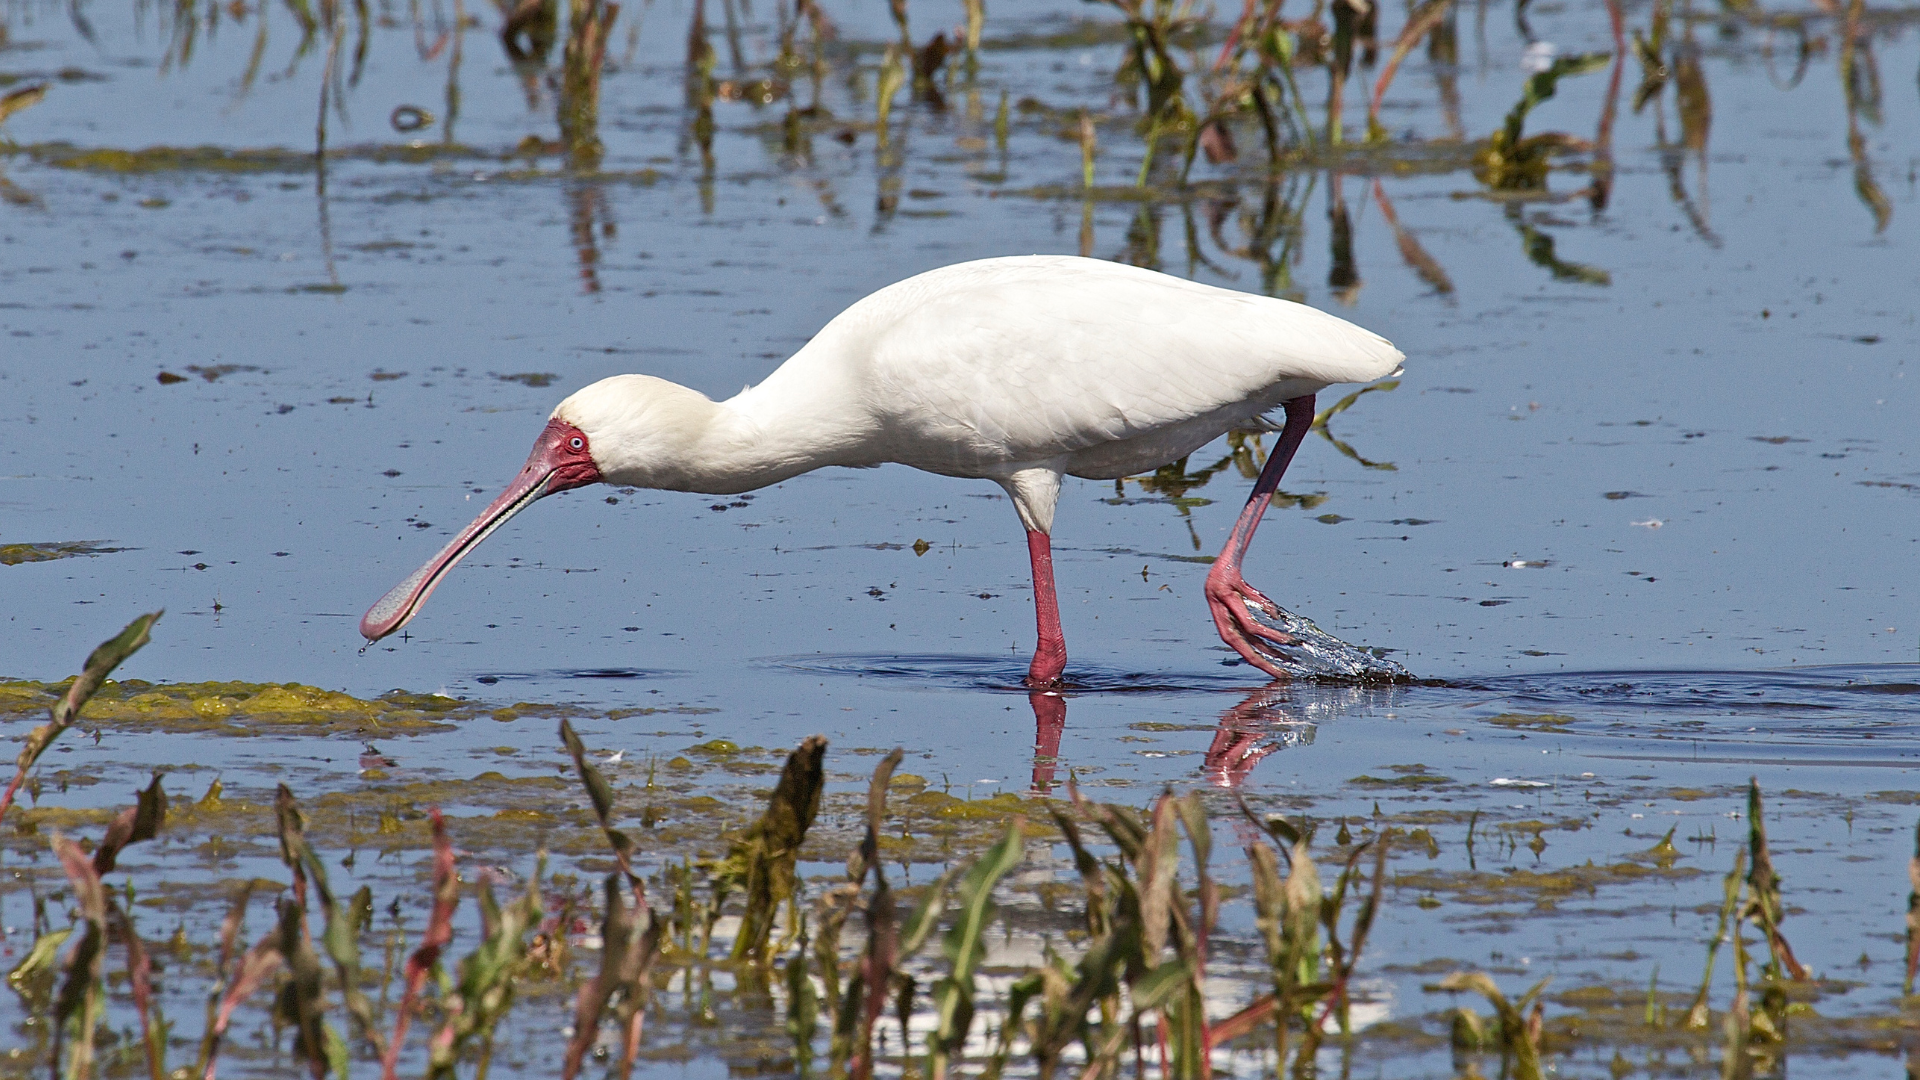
(975, 366)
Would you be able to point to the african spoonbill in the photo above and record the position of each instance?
(1017, 370)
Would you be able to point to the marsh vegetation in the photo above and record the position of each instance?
(259, 254)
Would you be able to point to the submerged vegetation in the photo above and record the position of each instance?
(1115, 959)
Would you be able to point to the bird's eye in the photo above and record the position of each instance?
(577, 442)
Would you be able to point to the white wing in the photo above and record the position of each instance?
(1036, 358)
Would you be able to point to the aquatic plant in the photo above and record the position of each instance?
(1152, 26)
(100, 664)
(1514, 1032)
(20, 99)
(630, 935)
(1181, 104)
(1131, 979)
(1511, 160)
(1754, 1035)
(589, 22)
(1913, 913)
(761, 862)
(80, 1004)
(1423, 21)
(964, 947)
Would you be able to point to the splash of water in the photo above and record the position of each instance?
(1317, 655)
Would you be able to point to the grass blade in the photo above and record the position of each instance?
(82, 997)
(340, 938)
(486, 988)
(100, 663)
(132, 825)
(965, 947)
(629, 937)
(302, 1001)
(1419, 24)
(153, 1037)
(1913, 913)
(878, 965)
(600, 794)
(256, 966)
(426, 957)
(1764, 906)
(1518, 1036)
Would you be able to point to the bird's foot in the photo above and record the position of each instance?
(1286, 645)
(1049, 662)
(1235, 605)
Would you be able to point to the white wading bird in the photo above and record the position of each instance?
(1015, 370)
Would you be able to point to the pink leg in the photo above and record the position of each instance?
(1228, 594)
(1050, 655)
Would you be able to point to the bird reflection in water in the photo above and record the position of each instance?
(1278, 716)
(1260, 725)
(1049, 723)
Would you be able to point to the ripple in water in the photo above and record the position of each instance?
(937, 671)
(1889, 692)
(491, 678)
(1869, 712)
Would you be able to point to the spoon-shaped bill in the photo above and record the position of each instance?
(399, 606)
(560, 460)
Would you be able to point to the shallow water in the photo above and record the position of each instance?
(1650, 471)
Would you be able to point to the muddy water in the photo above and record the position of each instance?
(1650, 472)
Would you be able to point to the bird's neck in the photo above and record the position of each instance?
(684, 441)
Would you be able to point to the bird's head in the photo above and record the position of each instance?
(644, 432)
(630, 430)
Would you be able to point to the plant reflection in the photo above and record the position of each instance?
(1443, 56)
(1170, 483)
(11, 102)
(1860, 78)
(588, 24)
(1539, 247)
(1345, 403)
(588, 220)
(1677, 63)
(329, 91)
(1274, 231)
(1344, 276)
(1425, 266)
(1601, 191)
(527, 33)
(1180, 117)
(459, 37)
(699, 93)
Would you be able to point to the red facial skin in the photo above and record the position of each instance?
(564, 449)
(561, 460)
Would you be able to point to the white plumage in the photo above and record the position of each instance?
(1017, 370)
(985, 369)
